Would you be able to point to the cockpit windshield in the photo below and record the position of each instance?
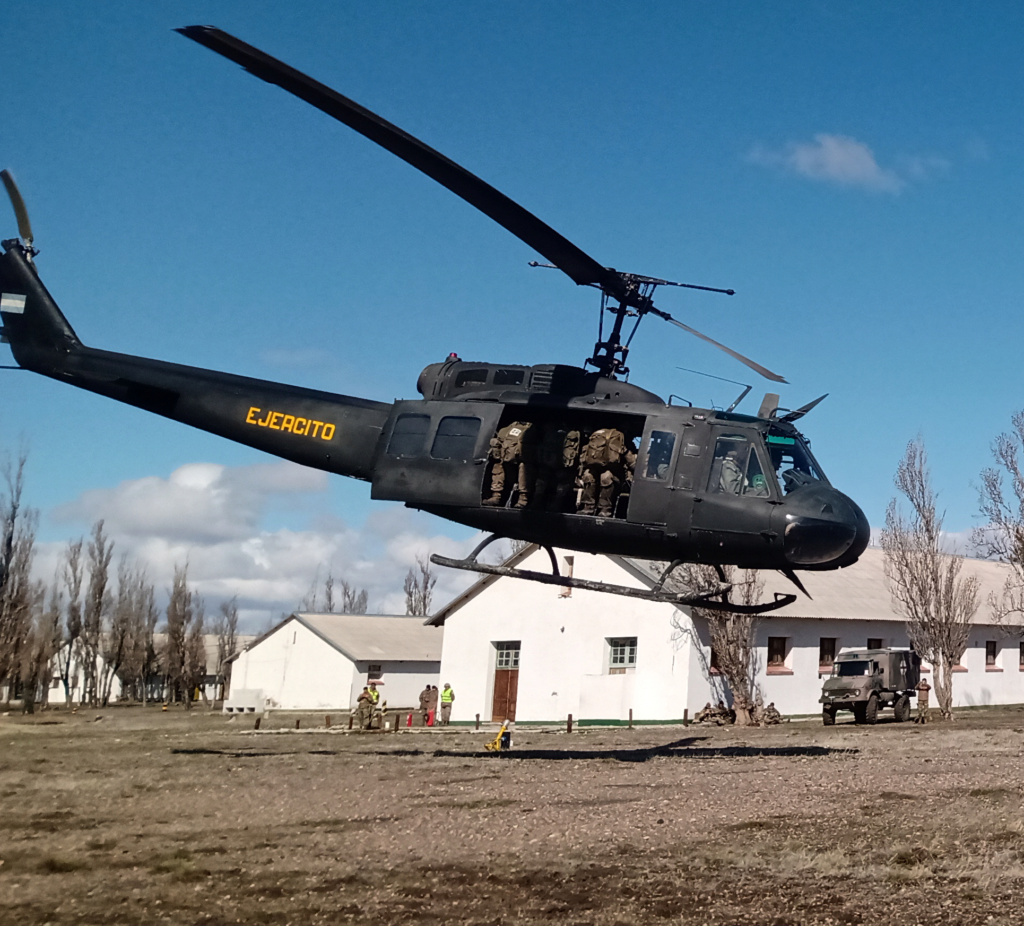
(792, 459)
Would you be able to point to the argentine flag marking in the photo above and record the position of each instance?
(13, 303)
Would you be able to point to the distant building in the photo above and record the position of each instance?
(537, 653)
(322, 661)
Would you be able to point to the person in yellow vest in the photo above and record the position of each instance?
(447, 697)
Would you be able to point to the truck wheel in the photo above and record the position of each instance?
(828, 716)
(871, 710)
(902, 709)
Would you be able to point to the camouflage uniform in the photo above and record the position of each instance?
(512, 463)
(364, 709)
(704, 713)
(558, 457)
(605, 462)
(771, 715)
(922, 701)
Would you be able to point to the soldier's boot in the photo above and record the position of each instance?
(606, 495)
(492, 501)
(588, 495)
(523, 500)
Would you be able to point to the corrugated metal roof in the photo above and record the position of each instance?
(376, 638)
(860, 592)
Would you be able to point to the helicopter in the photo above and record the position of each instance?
(679, 485)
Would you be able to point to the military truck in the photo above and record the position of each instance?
(866, 680)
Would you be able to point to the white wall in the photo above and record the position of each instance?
(564, 656)
(296, 670)
(401, 681)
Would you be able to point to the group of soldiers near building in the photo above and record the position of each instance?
(555, 467)
(720, 715)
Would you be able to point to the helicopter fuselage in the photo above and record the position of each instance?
(777, 511)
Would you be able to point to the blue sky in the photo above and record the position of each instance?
(852, 171)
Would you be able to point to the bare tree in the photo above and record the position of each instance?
(126, 638)
(136, 608)
(419, 588)
(69, 653)
(20, 597)
(226, 629)
(1002, 536)
(42, 639)
(185, 655)
(924, 581)
(733, 641)
(99, 551)
(352, 601)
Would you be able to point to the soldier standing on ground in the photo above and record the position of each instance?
(447, 697)
(424, 703)
(364, 709)
(922, 701)
(432, 705)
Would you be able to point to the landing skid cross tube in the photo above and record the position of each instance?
(657, 593)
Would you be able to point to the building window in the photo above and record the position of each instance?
(826, 652)
(992, 656)
(507, 655)
(1022, 657)
(777, 653)
(876, 643)
(713, 665)
(621, 655)
(373, 673)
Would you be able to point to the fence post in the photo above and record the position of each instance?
(478, 721)
(631, 718)
(568, 725)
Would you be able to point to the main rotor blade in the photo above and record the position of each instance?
(20, 212)
(579, 266)
(764, 371)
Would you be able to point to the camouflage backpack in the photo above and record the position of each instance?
(605, 446)
(513, 441)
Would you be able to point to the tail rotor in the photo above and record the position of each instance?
(20, 212)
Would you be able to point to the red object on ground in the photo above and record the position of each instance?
(408, 721)
(430, 718)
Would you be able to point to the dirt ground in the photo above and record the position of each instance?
(133, 815)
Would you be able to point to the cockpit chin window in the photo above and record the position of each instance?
(792, 460)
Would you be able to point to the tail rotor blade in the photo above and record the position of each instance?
(20, 212)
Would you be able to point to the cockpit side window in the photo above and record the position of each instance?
(659, 454)
(737, 469)
(792, 460)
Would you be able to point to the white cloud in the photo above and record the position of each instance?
(846, 161)
(213, 517)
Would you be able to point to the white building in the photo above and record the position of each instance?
(535, 653)
(322, 661)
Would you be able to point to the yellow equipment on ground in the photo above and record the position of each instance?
(502, 741)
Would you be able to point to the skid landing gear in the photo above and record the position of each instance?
(712, 601)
